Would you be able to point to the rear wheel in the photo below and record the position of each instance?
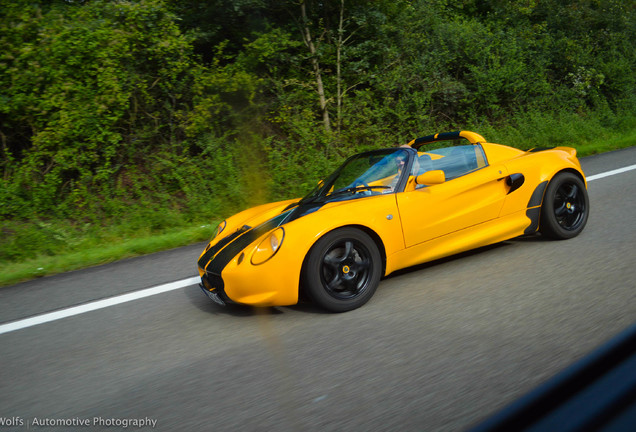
(343, 270)
(565, 207)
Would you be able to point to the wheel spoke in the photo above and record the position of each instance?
(335, 261)
(334, 282)
(331, 262)
(351, 284)
(348, 250)
(362, 265)
(332, 267)
(561, 210)
(573, 192)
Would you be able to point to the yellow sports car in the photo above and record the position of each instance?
(388, 209)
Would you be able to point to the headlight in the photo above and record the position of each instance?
(268, 247)
(219, 229)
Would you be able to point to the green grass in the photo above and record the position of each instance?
(608, 144)
(113, 250)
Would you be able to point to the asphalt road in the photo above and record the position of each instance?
(438, 348)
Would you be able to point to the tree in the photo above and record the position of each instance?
(89, 90)
(309, 43)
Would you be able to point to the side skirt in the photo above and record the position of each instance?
(493, 231)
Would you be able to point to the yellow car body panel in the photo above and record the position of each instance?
(441, 209)
(416, 224)
(490, 232)
(496, 153)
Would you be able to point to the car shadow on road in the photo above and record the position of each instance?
(201, 302)
(532, 238)
(462, 255)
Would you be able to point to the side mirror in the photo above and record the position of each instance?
(431, 177)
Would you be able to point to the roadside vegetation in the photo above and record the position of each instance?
(128, 127)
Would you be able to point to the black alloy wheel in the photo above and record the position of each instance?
(565, 207)
(343, 270)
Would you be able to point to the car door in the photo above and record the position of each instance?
(458, 203)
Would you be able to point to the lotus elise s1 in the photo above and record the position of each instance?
(388, 209)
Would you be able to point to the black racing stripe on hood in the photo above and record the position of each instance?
(219, 255)
(220, 245)
(226, 254)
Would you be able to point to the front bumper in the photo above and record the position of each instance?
(227, 266)
(213, 286)
(273, 283)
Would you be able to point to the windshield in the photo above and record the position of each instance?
(370, 173)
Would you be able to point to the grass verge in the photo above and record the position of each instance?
(11, 273)
(608, 144)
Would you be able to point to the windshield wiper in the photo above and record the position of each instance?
(355, 189)
(303, 201)
(292, 205)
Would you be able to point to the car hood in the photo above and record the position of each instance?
(255, 216)
(294, 209)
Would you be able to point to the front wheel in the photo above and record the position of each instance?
(342, 270)
(565, 207)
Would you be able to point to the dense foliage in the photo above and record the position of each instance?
(152, 113)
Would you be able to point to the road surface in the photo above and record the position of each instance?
(439, 347)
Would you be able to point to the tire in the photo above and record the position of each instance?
(565, 208)
(342, 270)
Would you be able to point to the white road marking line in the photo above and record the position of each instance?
(99, 304)
(124, 298)
(610, 173)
